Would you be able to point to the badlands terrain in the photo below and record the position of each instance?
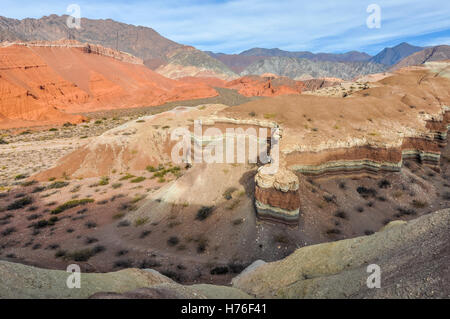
(87, 173)
(349, 166)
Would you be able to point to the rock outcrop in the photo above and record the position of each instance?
(277, 196)
(413, 258)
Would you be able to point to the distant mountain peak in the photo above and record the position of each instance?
(393, 55)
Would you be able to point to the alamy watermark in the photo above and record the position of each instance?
(374, 19)
(74, 279)
(74, 19)
(236, 145)
(374, 279)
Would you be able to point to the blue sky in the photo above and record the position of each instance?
(232, 26)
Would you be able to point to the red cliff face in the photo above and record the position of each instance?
(42, 83)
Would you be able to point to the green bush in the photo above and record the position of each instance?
(71, 204)
(20, 203)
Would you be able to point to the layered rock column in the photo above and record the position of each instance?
(277, 196)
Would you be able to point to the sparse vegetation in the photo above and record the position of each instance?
(229, 192)
(140, 221)
(8, 231)
(419, 204)
(138, 179)
(366, 192)
(57, 184)
(384, 183)
(173, 241)
(20, 203)
(204, 212)
(71, 204)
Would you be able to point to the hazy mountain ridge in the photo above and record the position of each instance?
(304, 69)
(352, 56)
(437, 53)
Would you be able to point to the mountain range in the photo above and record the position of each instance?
(176, 60)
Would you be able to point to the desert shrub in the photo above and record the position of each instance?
(360, 209)
(123, 223)
(127, 176)
(116, 185)
(118, 215)
(45, 223)
(90, 240)
(368, 232)
(366, 192)
(171, 274)
(90, 224)
(406, 211)
(103, 181)
(140, 221)
(229, 192)
(236, 268)
(71, 204)
(8, 231)
(333, 231)
(269, 115)
(220, 270)
(204, 212)
(60, 253)
(138, 179)
(237, 221)
(98, 249)
(83, 254)
(281, 239)
(20, 203)
(20, 176)
(79, 255)
(36, 246)
(202, 244)
(173, 241)
(122, 252)
(53, 246)
(384, 183)
(38, 189)
(28, 183)
(2, 141)
(341, 214)
(145, 233)
(329, 198)
(57, 184)
(147, 264)
(446, 196)
(252, 114)
(419, 204)
(342, 185)
(123, 263)
(33, 217)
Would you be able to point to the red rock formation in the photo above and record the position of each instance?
(277, 196)
(41, 83)
(265, 86)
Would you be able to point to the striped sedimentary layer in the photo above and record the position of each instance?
(375, 159)
(277, 196)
